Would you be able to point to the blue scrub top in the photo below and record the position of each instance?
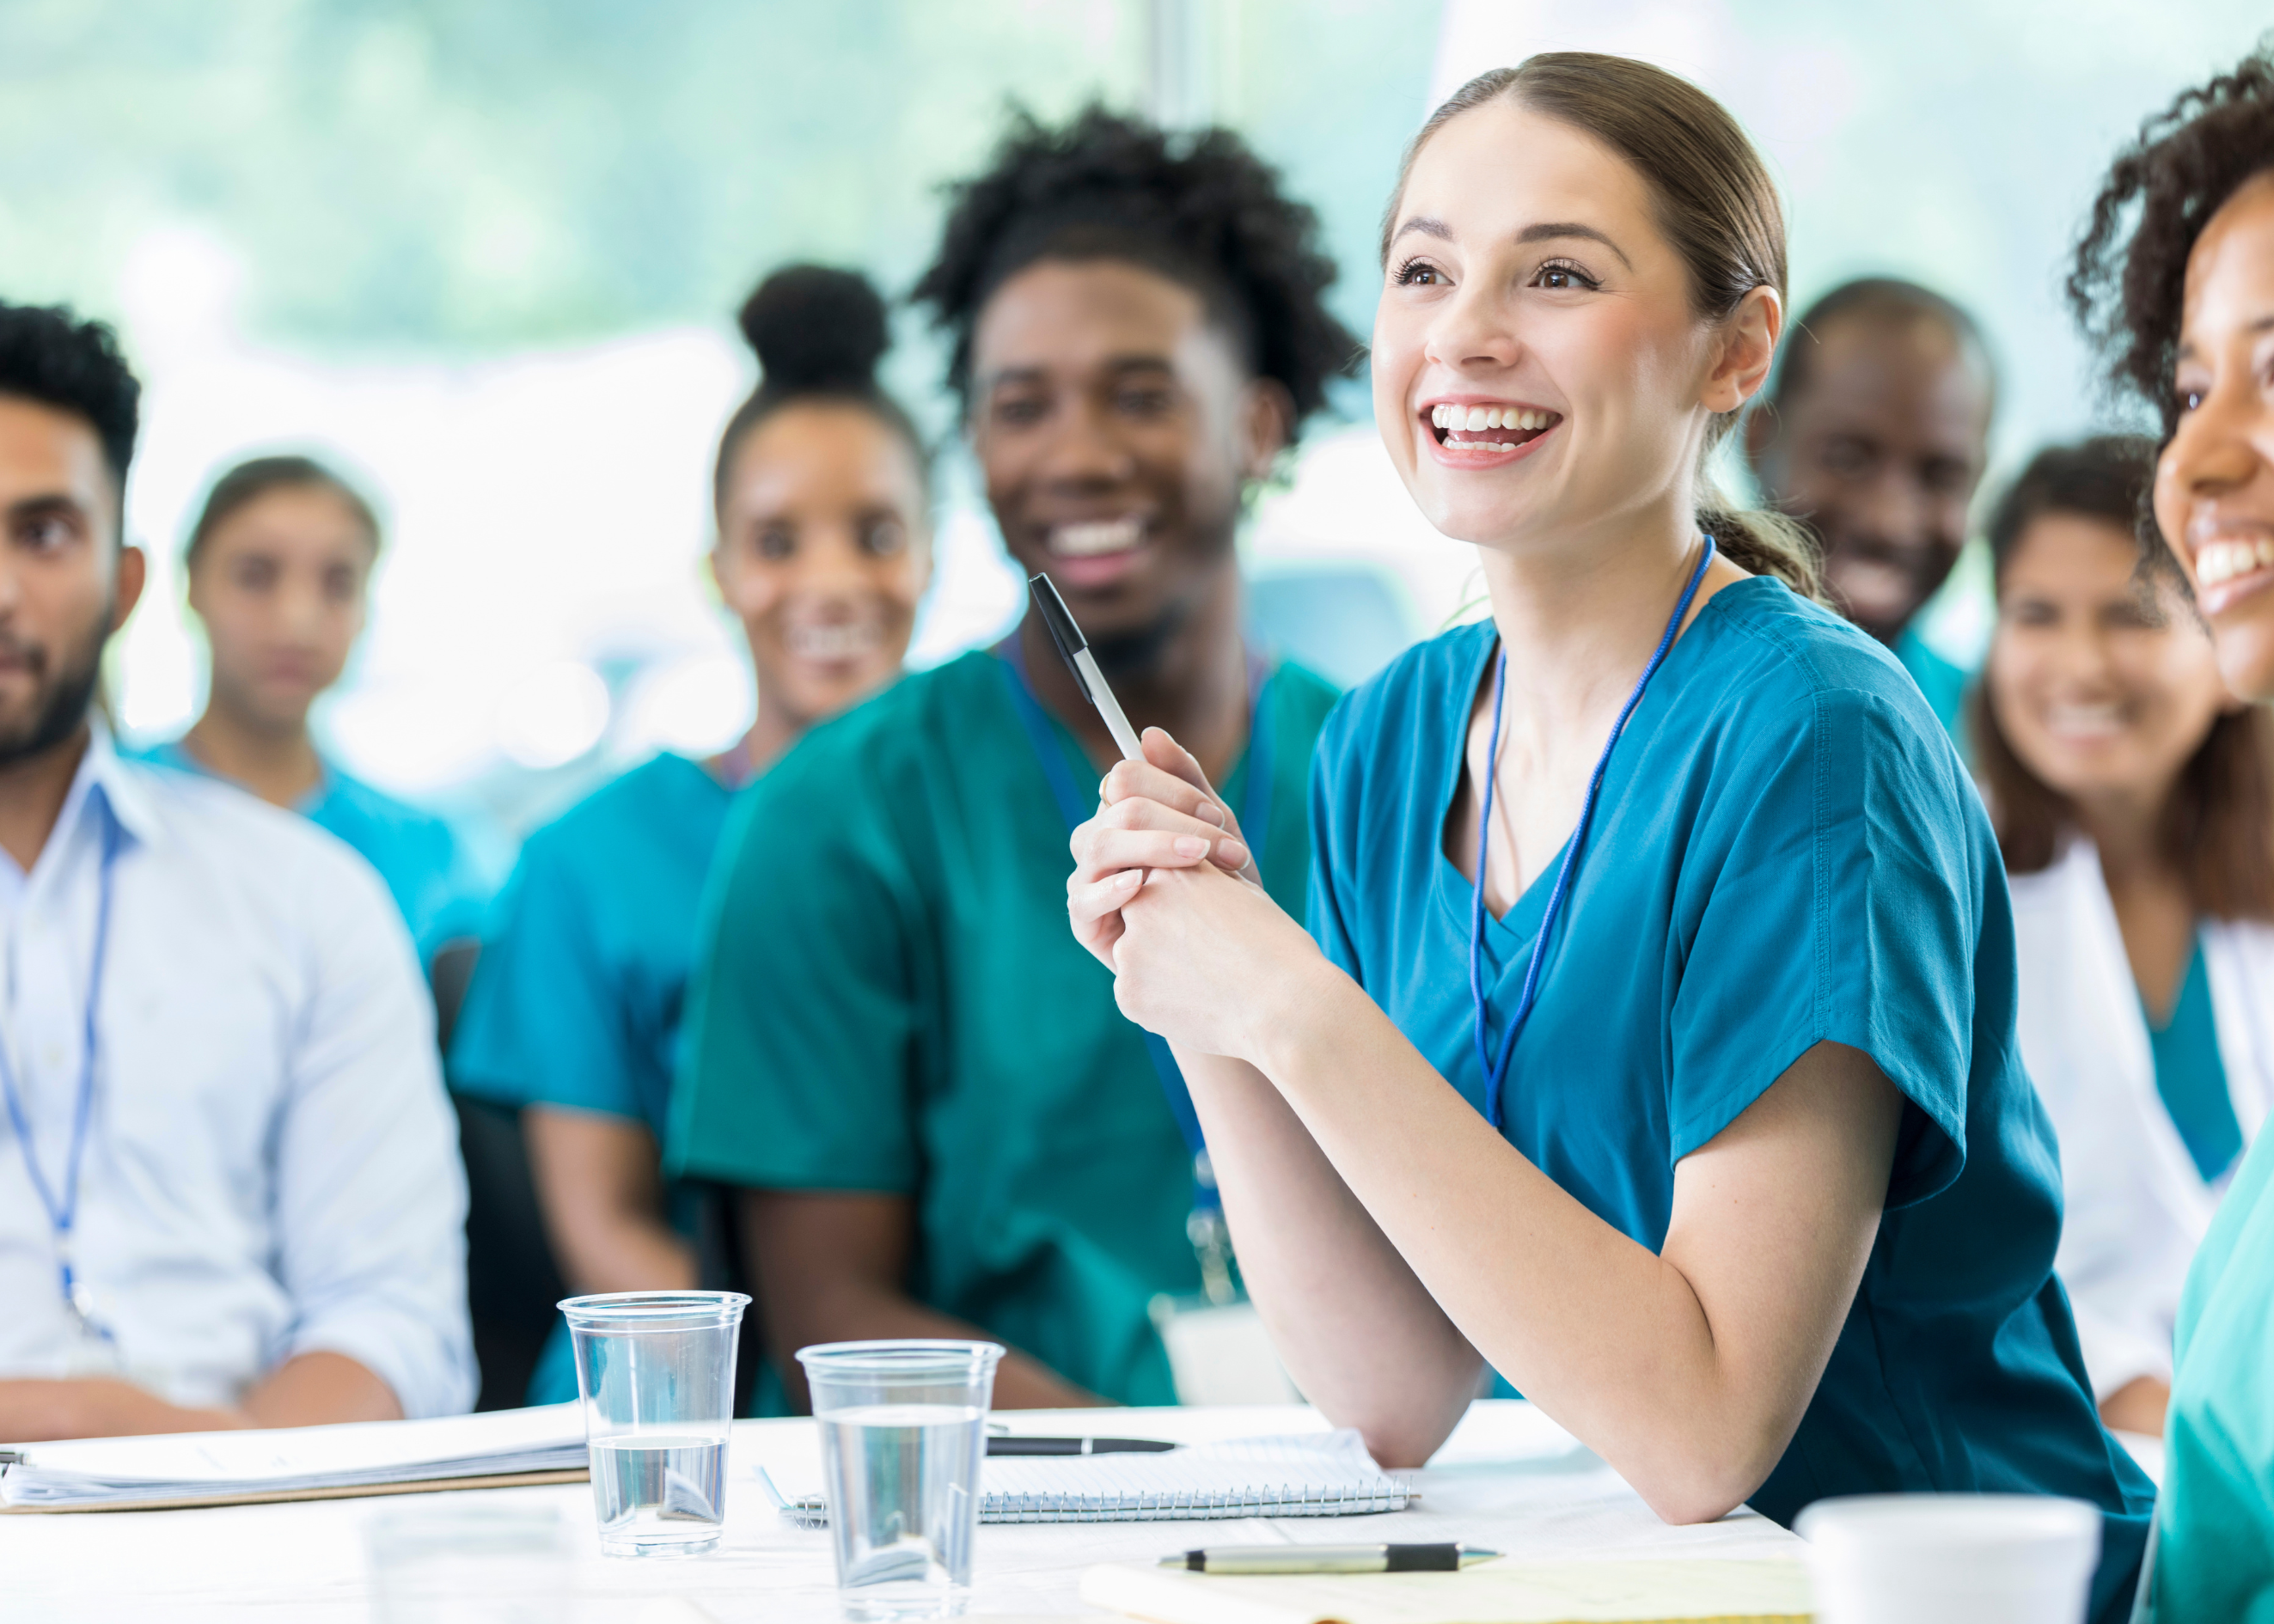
(575, 999)
(427, 867)
(1787, 852)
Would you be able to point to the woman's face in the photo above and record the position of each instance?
(280, 586)
(1529, 298)
(2103, 685)
(2215, 483)
(822, 554)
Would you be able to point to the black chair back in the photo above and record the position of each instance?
(512, 1282)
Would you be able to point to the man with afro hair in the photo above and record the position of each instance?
(943, 1124)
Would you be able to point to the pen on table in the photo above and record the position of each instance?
(1003, 1444)
(1075, 648)
(1329, 1558)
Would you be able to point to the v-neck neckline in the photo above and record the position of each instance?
(1506, 934)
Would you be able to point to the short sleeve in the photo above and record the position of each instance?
(800, 1023)
(544, 1021)
(1834, 893)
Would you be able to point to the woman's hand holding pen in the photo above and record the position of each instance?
(1165, 893)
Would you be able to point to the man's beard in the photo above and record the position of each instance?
(1134, 653)
(59, 706)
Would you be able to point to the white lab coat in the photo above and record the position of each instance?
(2135, 1207)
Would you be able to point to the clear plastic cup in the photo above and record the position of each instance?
(655, 1374)
(1951, 1559)
(903, 1431)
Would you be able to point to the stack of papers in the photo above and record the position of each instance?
(306, 1462)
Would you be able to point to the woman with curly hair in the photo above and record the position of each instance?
(944, 1124)
(1652, 1041)
(2175, 278)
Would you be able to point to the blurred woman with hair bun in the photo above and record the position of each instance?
(824, 549)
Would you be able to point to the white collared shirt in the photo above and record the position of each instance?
(2134, 1206)
(271, 1166)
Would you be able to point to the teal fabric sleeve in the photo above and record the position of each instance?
(543, 1022)
(804, 1003)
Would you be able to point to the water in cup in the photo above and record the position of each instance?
(900, 1481)
(903, 1434)
(652, 1490)
(655, 1376)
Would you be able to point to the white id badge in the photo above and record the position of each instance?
(1219, 1353)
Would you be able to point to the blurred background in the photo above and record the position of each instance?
(484, 255)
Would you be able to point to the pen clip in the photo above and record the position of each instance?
(1059, 622)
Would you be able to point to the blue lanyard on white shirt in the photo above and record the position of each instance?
(1495, 1067)
(63, 1212)
(1078, 808)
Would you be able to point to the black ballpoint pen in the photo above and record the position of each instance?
(1002, 1443)
(1329, 1558)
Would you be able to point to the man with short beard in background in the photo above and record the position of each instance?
(230, 1193)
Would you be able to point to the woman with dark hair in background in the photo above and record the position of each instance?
(944, 1123)
(823, 550)
(2175, 278)
(279, 564)
(1653, 1043)
(2134, 800)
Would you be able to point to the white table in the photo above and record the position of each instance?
(1507, 1479)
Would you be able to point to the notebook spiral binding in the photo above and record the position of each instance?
(1189, 1505)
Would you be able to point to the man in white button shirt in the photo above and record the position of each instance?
(229, 1189)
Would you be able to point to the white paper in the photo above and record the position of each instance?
(189, 1465)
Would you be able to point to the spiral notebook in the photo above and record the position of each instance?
(1319, 1475)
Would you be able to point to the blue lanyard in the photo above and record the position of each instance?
(1496, 1067)
(1078, 807)
(63, 1213)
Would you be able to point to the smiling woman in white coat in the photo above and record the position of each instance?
(2134, 799)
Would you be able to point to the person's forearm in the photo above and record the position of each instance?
(1605, 1335)
(309, 1389)
(858, 1312)
(318, 1388)
(36, 1410)
(1359, 1333)
(625, 1251)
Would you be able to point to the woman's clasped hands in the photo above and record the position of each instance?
(1166, 894)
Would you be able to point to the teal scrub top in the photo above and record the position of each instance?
(2192, 1077)
(575, 999)
(1941, 680)
(2215, 1535)
(891, 1001)
(1787, 852)
(427, 867)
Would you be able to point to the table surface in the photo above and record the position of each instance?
(1508, 1479)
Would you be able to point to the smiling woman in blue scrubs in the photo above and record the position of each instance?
(573, 1013)
(279, 566)
(1655, 1047)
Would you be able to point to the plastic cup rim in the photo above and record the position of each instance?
(907, 1356)
(1893, 1526)
(640, 1310)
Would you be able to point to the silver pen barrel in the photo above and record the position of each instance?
(1124, 735)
